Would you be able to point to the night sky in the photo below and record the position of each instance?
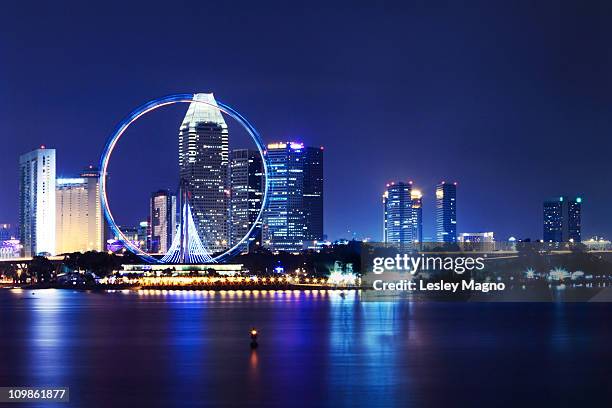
(513, 100)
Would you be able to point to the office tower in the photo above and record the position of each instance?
(37, 202)
(446, 212)
(398, 216)
(417, 215)
(284, 224)
(143, 234)
(246, 194)
(203, 167)
(163, 221)
(132, 234)
(562, 220)
(6, 232)
(313, 193)
(80, 222)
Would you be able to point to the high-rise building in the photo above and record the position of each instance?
(284, 223)
(37, 201)
(246, 194)
(203, 167)
(137, 235)
(562, 220)
(163, 221)
(446, 212)
(398, 216)
(313, 193)
(143, 233)
(417, 215)
(80, 222)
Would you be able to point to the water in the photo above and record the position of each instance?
(174, 349)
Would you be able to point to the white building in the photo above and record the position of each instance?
(37, 201)
(203, 167)
(80, 223)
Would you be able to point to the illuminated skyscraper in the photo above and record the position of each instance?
(446, 212)
(398, 216)
(163, 221)
(284, 223)
(37, 201)
(313, 193)
(203, 166)
(417, 215)
(562, 220)
(246, 194)
(80, 222)
(143, 232)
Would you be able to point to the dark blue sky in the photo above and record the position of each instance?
(511, 99)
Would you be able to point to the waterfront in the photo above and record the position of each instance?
(317, 348)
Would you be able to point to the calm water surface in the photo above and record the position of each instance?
(174, 349)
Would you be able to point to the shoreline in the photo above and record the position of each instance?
(225, 287)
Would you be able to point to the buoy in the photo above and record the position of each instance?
(253, 333)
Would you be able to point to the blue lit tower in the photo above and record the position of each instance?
(284, 218)
(562, 219)
(446, 212)
(398, 215)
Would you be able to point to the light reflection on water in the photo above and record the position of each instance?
(316, 347)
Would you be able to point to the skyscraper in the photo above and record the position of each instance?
(446, 212)
(562, 220)
(246, 194)
(398, 216)
(203, 167)
(163, 221)
(284, 224)
(417, 215)
(80, 222)
(313, 193)
(37, 201)
(143, 232)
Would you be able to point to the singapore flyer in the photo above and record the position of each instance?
(192, 239)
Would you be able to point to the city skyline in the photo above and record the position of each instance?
(416, 221)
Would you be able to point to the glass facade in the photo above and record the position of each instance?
(246, 195)
(203, 167)
(446, 212)
(284, 221)
(398, 214)
(417, 215)
(313, 193)
(562, 220)
(163, 221)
